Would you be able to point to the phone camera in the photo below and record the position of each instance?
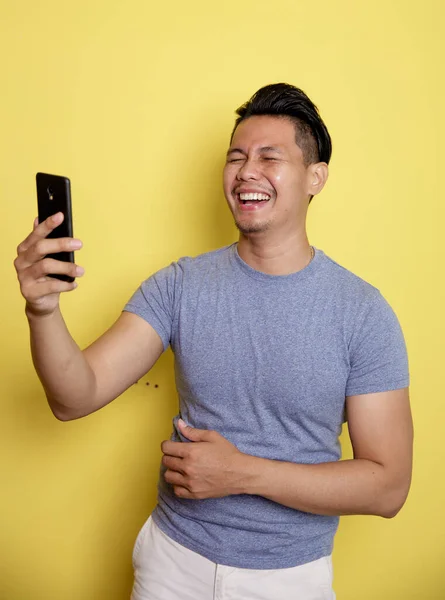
(50, 191)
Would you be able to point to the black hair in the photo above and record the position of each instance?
(287, 101)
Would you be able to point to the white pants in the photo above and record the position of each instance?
(165, 570)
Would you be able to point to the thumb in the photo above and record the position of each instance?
(193, 434)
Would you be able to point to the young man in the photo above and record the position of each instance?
(274, 344)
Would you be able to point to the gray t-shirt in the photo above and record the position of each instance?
(266, 361)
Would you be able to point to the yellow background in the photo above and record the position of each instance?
(134, 101)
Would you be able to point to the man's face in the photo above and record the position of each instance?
(266, 183)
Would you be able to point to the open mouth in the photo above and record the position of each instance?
(252, 198)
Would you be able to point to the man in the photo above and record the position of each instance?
(274, 344)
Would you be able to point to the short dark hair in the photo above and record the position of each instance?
(289, 102)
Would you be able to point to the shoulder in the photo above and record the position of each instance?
(205, 260)
(361, 304)
(346, 284)
(189, 268)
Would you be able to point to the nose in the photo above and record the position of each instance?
(248, 171)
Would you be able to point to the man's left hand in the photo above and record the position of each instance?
(209, 467)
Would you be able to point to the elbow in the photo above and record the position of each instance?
(62, 413)
(62, 417)
(393, 502)
(390, 512)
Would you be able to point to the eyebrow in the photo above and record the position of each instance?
(270, 149)
(262, 149)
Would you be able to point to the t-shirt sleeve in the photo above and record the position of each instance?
(156, 301)
(378, 355)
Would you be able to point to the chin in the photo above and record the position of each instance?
(247, 228)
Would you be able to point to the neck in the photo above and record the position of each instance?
(273, 256)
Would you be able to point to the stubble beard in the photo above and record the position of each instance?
(253, 227)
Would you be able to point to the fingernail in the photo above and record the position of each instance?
(80, 271)
(181, 422)
(56, 217)
(76, 244)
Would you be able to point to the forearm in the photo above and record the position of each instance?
(66, 376)
(346, 487)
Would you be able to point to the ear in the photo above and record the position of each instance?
(318, 174)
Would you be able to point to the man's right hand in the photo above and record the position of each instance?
(40, 291)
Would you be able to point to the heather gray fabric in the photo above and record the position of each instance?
(267, 362)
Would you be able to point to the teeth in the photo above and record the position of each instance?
(254, 196)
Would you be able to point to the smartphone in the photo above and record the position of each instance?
(53, 196)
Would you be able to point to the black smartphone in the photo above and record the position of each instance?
(53, 196)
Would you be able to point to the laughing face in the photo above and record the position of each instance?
(266, 183)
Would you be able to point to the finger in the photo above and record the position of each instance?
(193, 434)
(41, 231)
(36, 293)
(36, 222)
(174, 478)
(51, 266)
(179, 449)
(173, 463)
(182, 492)
(43, 247)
